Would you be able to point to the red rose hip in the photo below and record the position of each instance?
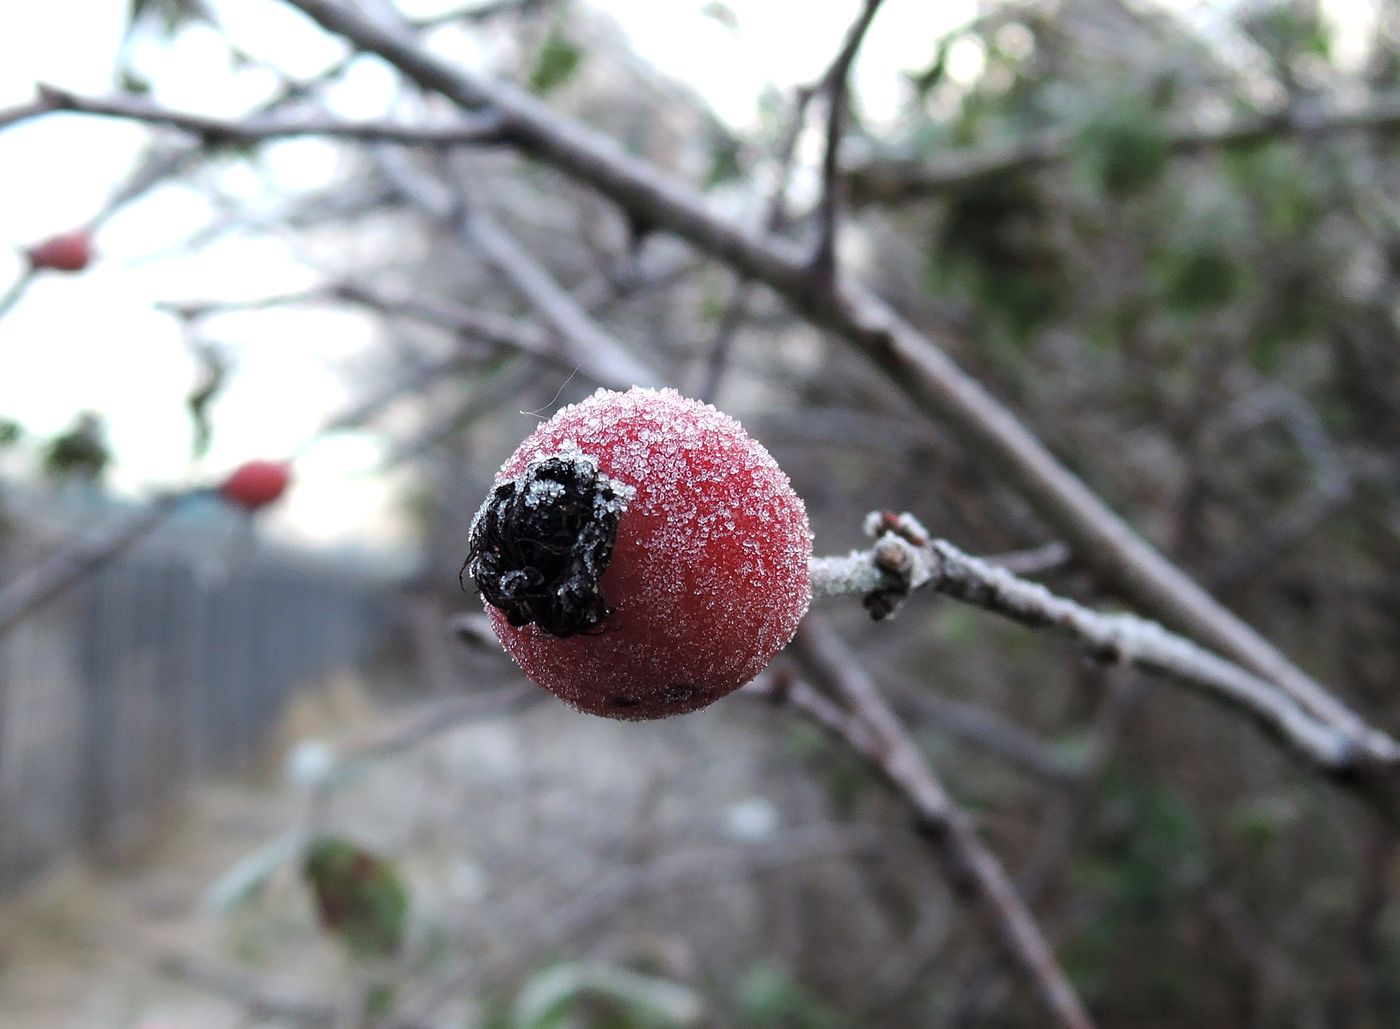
(69, 252)
(640, 556)
(255, 484)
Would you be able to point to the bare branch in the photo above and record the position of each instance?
(836, 83)
(43, 582)
(586, 342)
(212, 131)
(478, 13)
(40, 105)
(257, 1000)
(904, 559)
(16, 290)
(872, 731)
(911, 359)
(773, 221)
(989, 731)
(333, 764)
(884, 181)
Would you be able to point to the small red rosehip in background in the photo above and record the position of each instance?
(640, 556)
(68, 252)
(255, 484)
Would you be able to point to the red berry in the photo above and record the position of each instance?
(256, 484)
(69, 252)
(641, 556)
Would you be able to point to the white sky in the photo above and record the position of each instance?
(95, 342)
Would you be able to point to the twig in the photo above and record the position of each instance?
(989, 731)
(836, 82)
(336, 763)
(900, 181)
(15, 291)
(983, 987)
(40, 105)
(865, 723)
(911, 360)
(483, 12)
(43, 582)
(546, 928)
(586, 342)
(501, 332)
(256, 999)
(774, 218)
(904, 559)
(483, 128)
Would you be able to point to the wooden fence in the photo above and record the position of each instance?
(169, 664)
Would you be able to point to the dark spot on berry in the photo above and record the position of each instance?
(624, 701)
(677, 694)
(540, 544)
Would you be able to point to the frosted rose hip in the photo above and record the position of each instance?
(686, 569)
(255, 484)
(69, 252)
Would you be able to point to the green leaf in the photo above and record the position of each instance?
(81, 452)
(725, 165)
(558, 61)
(213, 374)
(1200, 278)
(770, 997)
(1124, 148)
(926, 81)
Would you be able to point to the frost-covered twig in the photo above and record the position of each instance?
(865, 723)
(905, 558)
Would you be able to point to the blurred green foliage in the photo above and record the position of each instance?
(559, 60)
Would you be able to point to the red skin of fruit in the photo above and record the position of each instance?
(69, 252)
(708, 578)
(256, 484)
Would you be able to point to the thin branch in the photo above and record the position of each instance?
(984, 988)
(865, 723)
(484, 12)
(501, 332)
(774, 219)
(38, 585)
(529, 929)
(986, 730)
(35, 108)
(884, 181)
(589, 345)
(904, 559)
(16, 290)
(334, 764)
(836, 82)
(912, 360)
(476, 130)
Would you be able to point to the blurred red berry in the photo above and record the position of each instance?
(256, 484)
(69, 252)
(641, 556)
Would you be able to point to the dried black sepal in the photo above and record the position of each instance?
(541, 542)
